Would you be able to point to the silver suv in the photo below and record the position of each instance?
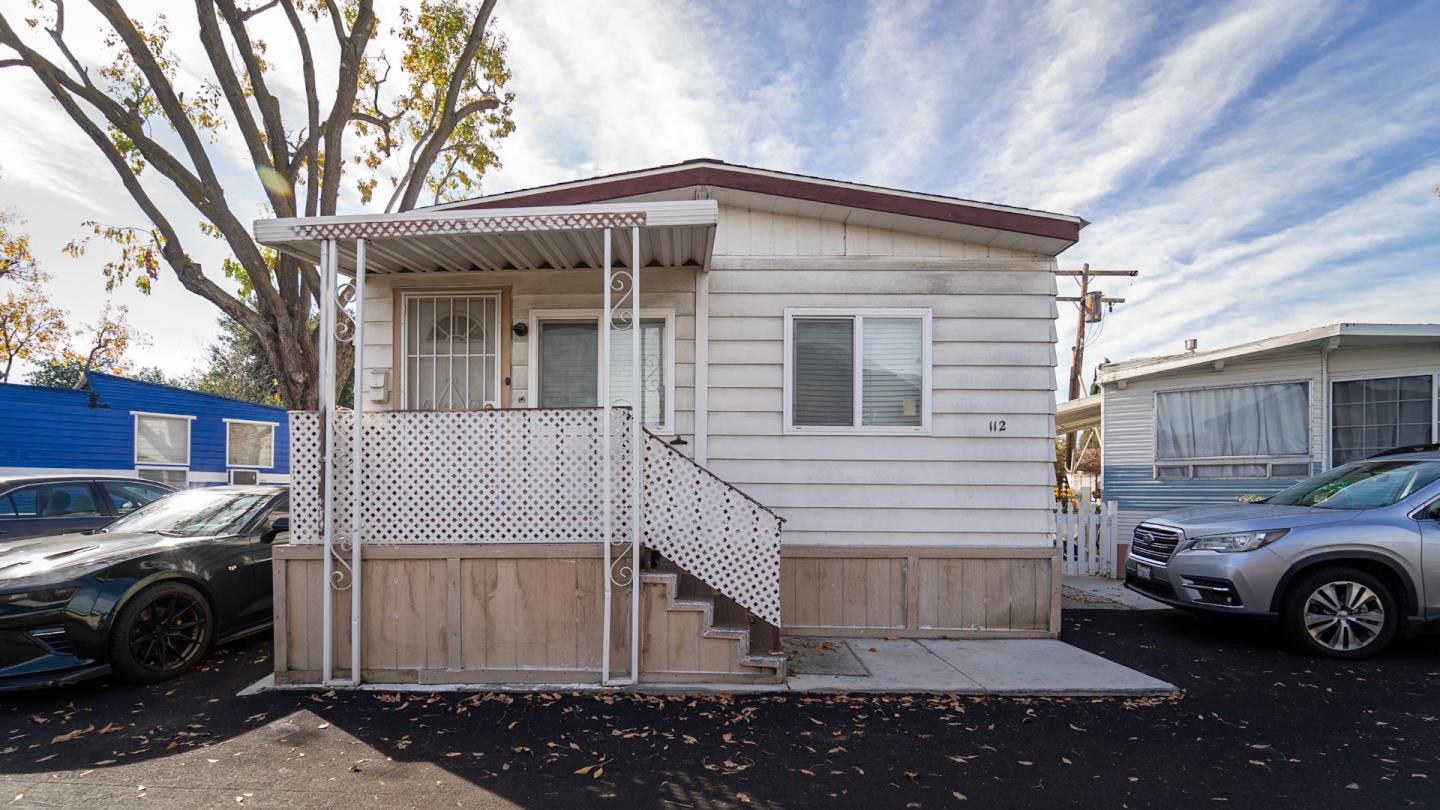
(1344, 560)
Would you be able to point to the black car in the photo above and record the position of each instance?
(40, 506)
(144, 597)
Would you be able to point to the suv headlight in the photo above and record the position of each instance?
(1240, 541)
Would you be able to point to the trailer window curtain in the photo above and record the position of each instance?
(1240, 421)
(249, 444)
(162, 439)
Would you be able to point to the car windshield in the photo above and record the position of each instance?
(1362, 485)
(192, 513)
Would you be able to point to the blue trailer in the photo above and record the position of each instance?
(113, 425)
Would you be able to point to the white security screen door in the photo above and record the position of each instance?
(452, 351)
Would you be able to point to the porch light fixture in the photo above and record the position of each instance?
(520, 329)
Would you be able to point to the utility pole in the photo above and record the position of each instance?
(1090, 311)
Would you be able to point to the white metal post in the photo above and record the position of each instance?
(357, 456)
(326, 396)
(637, 451)
(605, 472)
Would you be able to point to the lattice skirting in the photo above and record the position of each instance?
(533, 476)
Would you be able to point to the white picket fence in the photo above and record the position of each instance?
(1087, 539)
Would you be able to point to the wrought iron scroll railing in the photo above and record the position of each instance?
(533, 476)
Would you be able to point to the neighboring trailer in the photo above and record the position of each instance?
(1354, 390)
(114, 425)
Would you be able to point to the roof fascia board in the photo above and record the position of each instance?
(1329, 336)
(985, 215)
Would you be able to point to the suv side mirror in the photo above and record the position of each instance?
(279, 527)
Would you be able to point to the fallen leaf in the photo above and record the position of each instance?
(71, 735)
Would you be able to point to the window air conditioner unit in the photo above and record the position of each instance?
(244, 477)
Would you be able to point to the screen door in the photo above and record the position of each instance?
(452, 351)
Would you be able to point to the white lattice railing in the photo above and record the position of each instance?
(533, 476)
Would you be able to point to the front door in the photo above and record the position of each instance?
(451, 351)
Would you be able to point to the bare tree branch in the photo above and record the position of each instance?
(431, 150)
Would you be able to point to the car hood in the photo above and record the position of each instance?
(72, 552)
(1248, 517)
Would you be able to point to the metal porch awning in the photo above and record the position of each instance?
(672, 234)
(1078, 414)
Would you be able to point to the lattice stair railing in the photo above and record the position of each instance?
(533, 476)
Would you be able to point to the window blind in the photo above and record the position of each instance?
(250, 445)
(893, 373)
(652, 379)
(162, 439)
(824, 382)
(569, 351)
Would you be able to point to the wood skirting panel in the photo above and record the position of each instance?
(958, 592)
(435, 614)
(521, 613)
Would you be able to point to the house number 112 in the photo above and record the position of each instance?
(997, 425)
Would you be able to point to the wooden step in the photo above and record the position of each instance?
(725, 651)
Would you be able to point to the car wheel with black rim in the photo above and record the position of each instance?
(160, 633)
(1340, 613)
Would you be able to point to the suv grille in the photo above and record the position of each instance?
(1154, 543)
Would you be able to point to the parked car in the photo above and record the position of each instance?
(1344, 560)
(144, 597)
(38, 506)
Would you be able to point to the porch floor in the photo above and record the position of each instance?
(1000, 667)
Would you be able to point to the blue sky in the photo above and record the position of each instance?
(1267, 166)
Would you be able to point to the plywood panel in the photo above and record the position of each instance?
(941, 591)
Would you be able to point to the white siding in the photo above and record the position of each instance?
(993, 358)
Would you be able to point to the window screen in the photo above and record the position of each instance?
(824, 389)
(569, 351)
(890, 360)
(1244, 420)
(1369, 416)
(893, 357)
(162, 439)
(169, 477)
(249, 445)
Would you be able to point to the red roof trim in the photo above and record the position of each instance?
(869, 200)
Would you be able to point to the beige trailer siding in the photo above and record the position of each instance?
(661, 289)
(993, 358)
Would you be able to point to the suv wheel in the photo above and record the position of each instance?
(1340, 613)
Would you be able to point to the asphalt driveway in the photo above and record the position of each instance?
(1255, 725)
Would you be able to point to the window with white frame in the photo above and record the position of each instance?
(857, 370)
(1238, 431)
(177, 477)
(249, 444)
(162, 439)
(565, 358)
(1372, 415)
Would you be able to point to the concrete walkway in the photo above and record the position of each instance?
(1016, 667)
(1000, 667)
